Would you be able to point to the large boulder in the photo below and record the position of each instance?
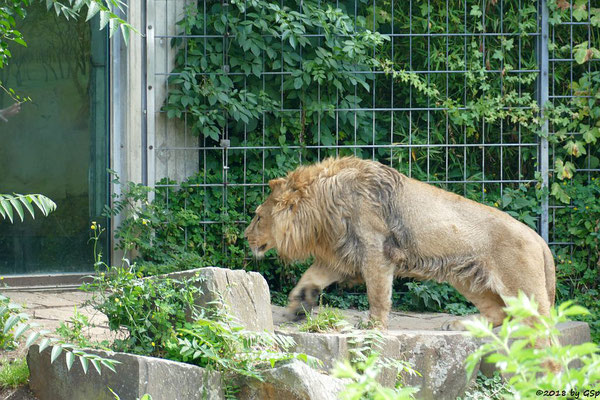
(291, 381)
(244, 295)
(134, 377)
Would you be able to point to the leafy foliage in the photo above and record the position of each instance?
(215, 341)
(266, 36)
(17, 203)
(12, 10)
(14, 323)
(364, 383)
(159, 317)
(487, 388)
(366, 362)
(73, 329)
(512, 350)
(149, 310)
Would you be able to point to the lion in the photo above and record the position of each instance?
(362, 220)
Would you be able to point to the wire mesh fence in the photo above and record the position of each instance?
(569, 86)
(449, 92)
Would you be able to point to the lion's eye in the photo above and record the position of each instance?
(257, 218)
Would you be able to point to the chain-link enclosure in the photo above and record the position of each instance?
(448, 92)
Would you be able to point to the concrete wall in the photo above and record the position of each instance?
(146, 146)
(170, 138)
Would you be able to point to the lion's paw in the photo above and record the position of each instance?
(453, 325)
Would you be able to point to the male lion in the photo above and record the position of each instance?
(360, 219)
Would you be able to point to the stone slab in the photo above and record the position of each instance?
(134, 377)
(291, 381)
(244, 294)
(438, 356)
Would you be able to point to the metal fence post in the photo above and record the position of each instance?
(150, 178)
(543, 97)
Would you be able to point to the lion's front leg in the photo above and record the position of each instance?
(379, 278)
(306, 293)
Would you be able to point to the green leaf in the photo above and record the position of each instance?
(56, 350)
(6, 206)
(581, 52)
(591, 135)
(69, 358)
(93, 9)
(84, 364)
(298, 83)
(125, 33)
(27, 203)
(109, 364)
(44, 344)
(11, 322)
(558, 192)
(32, 338)
(96, 365)
(576, 310)
(20, 41)
(16, 203)
(21, 329)
(104, 18)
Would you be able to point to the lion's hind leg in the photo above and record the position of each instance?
(305, 294)
(490, 305)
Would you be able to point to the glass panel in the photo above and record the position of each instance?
(57, 145)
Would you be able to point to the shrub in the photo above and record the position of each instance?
(149, 310)
(512, 350)
(213, 340)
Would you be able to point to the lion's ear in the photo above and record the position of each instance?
(276, 183)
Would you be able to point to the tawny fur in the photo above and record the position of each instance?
(362, 219)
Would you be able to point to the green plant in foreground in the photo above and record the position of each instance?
(364, 383)
(14, 323)
(327, 319)
(144, 397)
(365, 363)
(487, 388)
(215, 341)
(72, 330)
(13, 373)
(512, 350)
(149, 310)
(16, 203)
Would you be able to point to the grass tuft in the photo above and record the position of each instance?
(326, 320)
(13, 373)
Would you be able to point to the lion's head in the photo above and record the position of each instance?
(259, 233)
(300, 217)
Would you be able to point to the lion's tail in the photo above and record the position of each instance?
(550, 271)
